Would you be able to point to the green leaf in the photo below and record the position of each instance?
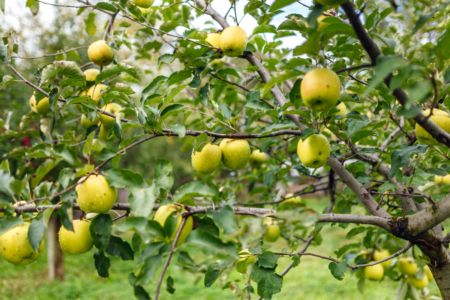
(119, 248)
(164, 174)
(211, 244)
(178, 129)
(426, 17)
(149, 269)
(215, 270)
(265, 28)
(171, 108)
(5, 80)
(142, 200)
(283, 124)
(68, 69)
(43, 170)
(354, 126)
(100, 230)
(120, 178)
(102, 264)
(151, 250)
(66, 216)
(36, 232)
(90, 24)
(196, 189)
(336, 271)
(267, 260)
(269, 283)
(5, 182)
(113, 70)
(156, 82)
(384, 66)
(224, 218)
(170, 285)
(185, 260)
(311, 47)
(9, 223)
(165, 59)
(280, 4)
(355, 231)
(174, 92)
(308, 132)
(401, 156)
(106, 6)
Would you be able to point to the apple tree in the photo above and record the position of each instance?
(357, 111)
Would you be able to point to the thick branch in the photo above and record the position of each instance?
(357, 219)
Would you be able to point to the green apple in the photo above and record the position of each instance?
(78, 241)
(143, 3)
(96, 92)
(42, 108)
(100, 53)
(86, 123)
(91, 74)
(207, 160)
(233, 41)
(235, 153)
(104, 133)
(407, 266)
(164, 211)
(320, 89)
(214, 39)
(375, 272)
(418, 283)
(15, 246)
(272, 233)
(247, 256)
(382, 254)
(95, 195)
(314, 151)
(257, 158)
(428, 273)
(441, 118)
(112, 108)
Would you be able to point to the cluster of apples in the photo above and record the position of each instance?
(406, 266)
(233, 153)
(232, 40)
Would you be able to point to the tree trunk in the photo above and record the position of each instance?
(54, 253)
(59, 254)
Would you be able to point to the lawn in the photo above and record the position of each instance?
(310, 280)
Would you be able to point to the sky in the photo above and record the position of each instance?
(17, 9)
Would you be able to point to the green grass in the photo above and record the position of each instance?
(310, 280)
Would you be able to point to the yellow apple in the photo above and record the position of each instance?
(322, 25)
(272, 233)
(143, 3)
(331, 2)
(247, 256)
(100, 53)
(382, 254)
(15, 247)
(320, 89)
(407, 266)
(235, 153)
(145, 11)
(214, 39)
(294, 201)
(442, 179)
(428, 273)
(164, 212)
(342, 111)
(314, 151)
(42, 108)
(441, 118)
(207, 160)
(95, 92)
(418, 283)
(91, 74)
(78, 241)
(113, 108)
(257, 158)
(375, 272)
(95, 195)
(104, 133)
(86, 123)
(233, 41)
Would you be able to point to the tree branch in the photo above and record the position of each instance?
(54, 54)
(357, 219)
(354, 68)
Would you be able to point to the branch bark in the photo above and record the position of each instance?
(357, 219)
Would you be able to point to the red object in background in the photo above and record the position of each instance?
(26, 142)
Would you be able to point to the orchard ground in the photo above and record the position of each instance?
(82, 282)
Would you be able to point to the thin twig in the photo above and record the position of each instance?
(354, 68)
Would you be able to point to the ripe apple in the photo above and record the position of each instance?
(143, 3)
(331, 2)
(407, 266)
(441, 118)
(320, 89)
(91, 74)
(418, 283)
(42, 108)
(442, 179)
(314, 151)
(15, 247)
(145, 11)
(382, 254)
(95, 195)
(95, 92)
(233, 41)
(164, 212)
(104, 133)
(86, 123)
(78, 241)
(292, 201)
(235, 153)
(247, 256)
(375, 272)
(272, 233)
(100, 53)
(214, 39)
(113, 108)
(257, 158)
(342, 110)
(428, 273)
(207, 160)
